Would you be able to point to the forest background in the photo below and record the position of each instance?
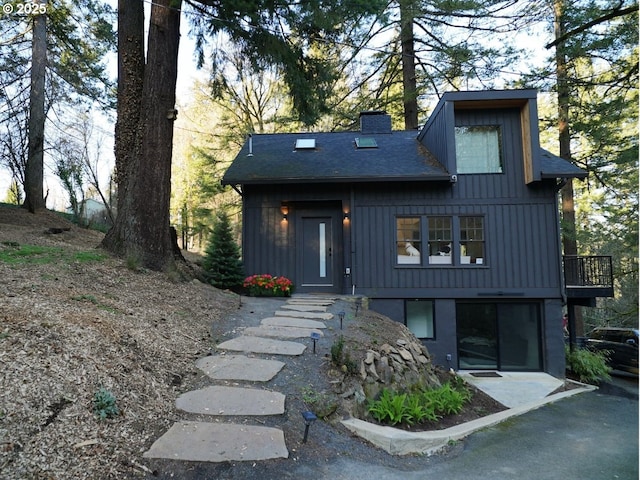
(398, 56)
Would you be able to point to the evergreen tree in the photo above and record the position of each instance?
(222, 264)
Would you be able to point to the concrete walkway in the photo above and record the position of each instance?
(222, 442)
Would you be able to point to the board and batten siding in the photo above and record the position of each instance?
(269, 241)
(267, 246)
(521, 246)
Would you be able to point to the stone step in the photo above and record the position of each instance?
(305, 308)
(291, 322)
(320, 303)
(252, 344)
(219, 442)
(219, 400)
(281, 332)
(308, 315)
(239, 367)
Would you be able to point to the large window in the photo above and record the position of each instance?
(472, 240)
(442, 240)
(440, 246)
(478, 149)
(408, 240)
(419, 318)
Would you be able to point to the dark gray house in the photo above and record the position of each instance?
(453, 231)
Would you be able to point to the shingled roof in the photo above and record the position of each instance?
(273, 158)
(552, 166)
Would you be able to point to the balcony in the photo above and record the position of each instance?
(588, 277)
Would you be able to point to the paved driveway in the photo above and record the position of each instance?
(590, 436)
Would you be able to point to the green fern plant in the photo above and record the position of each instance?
(588, 366)
(389, 408)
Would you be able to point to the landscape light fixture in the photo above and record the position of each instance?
(309, 418)
(341, 315)
(315, 336)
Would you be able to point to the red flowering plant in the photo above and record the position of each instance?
(266, 285)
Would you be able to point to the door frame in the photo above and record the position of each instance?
(334, 214)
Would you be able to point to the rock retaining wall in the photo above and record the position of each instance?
(396, 367)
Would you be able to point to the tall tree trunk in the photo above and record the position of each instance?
(142, 227)
(409, 82)
(34, 169)
(131, 65)
(569, 242)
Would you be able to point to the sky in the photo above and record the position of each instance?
(187, 73)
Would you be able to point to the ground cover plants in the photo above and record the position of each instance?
(14, 253)
(420, 406)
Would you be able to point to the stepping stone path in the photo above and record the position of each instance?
(281, 332)
(305, 308)
(231, 401)
(314, 315)
(221, 442)
(239, 367)
(291, 322)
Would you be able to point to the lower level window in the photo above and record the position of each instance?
(419, 318)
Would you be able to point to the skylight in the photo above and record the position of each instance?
(366, 142)
(305, 143)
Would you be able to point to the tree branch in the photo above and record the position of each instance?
(613, 14)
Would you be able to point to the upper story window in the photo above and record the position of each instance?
(408, 240)
(478, 149)
(472, 240)
(440, 240)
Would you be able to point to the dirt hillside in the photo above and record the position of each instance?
(73, 320)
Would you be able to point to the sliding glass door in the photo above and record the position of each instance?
(498, 336)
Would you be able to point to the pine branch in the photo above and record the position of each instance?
(613, 14)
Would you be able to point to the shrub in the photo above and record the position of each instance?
(588, 366)
(321, 403)
(104, 404)
(266, 285)
(222, 265)
(341, 358)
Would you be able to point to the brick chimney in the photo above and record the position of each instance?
(375, 121)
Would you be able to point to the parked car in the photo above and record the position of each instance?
(621, 343)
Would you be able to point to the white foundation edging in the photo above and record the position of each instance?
(402, 442)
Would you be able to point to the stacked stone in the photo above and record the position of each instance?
(399, 367)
